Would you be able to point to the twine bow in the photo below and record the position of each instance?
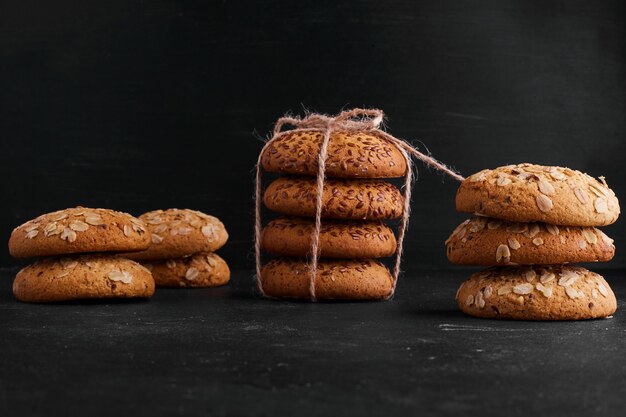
(368, 120)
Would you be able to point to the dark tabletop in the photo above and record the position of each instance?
(225, 351)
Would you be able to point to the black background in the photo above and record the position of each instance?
(138, 105)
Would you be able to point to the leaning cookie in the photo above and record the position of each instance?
(486, 241)
(79, 230)
(199, 270)
(535, 193)
(349, 155)
(180, 232)
(292, 236)
(341, 199)
(335, 280)
(537, 293)
(82, 277)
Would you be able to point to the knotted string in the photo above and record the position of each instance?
(368, 120)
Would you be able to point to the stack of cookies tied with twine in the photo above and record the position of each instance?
(77, 247)
(532, 222)
(334, 199)
(181, 249)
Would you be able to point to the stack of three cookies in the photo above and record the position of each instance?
(534, 220)
(182, 246)
(355, 203)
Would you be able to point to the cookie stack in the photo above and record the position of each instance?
(76, 247)
(534, 221)
(181, 249)
(355, 204)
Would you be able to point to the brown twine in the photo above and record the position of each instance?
(351, 120)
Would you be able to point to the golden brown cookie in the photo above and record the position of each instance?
(487, 241)
(78, 230)
(350, 155)
(364, 279)
(180, 232)
(535, 193)
(199, 270)
(342, 199)
(555, 292)
(292, 236)
(82, 277)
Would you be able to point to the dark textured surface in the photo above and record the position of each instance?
(227, 352)
(137, 105)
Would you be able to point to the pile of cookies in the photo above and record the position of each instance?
(76, 248)
(533, 221)
(182, 246)
(355, 204)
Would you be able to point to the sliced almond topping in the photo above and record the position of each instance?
(488, 292)
(156, 239)
(537, 241)
(545, 187)
(503, 254)
(126, 230)
(171, 264)
(546, 277)
(582, 244)
(513, 243)
(571, 292)
(78, 226)
(470, 300)
(31, 234)
(210, 261)
(590, 236)
(120, 276)
(530, 275)
(183, 231)
(94, 219)
(503, 181)
(60, 216)
(68, 234)
(517, 228)
(32, 227)
(68, 263)
(480, 301)
(63, 274)
(504, 290)
(568, 278)
(494, 224)
(525, 288)
(581, 195)
(210, 232)
(602, 289)
(520, 300)
(552, 229)
(160, 228)
(556, 174)
(600, 205)
(191, 274)
(594, 293)
(546, 291)
(533, 230)
(544, 203)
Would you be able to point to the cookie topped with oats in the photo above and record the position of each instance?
(540, 292)
(180, 232)
(486, 241)
(350, 155)
(82, 277)
(79, 230)
(201, 270)
(536, 193)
